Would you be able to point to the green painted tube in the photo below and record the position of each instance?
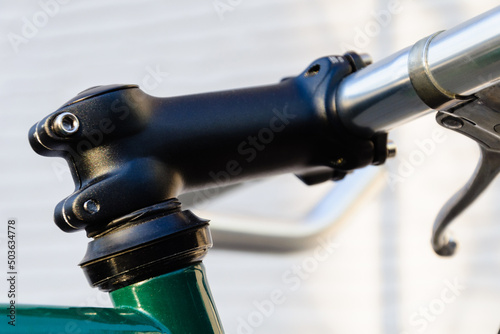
(76, 320)
(181, 300)
(177, 302)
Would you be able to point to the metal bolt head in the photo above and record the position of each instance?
(391, 149)
(452, 123)
(91, 206)
(66, 124)
(339, 162)
(366, 58)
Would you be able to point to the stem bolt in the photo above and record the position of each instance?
(366, 58)
(91, 206)
(391, 149)
(338, 162)
(66, 124)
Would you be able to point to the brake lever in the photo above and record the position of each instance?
(479, 120)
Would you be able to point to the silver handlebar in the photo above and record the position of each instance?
(456, 72)
(435, 73)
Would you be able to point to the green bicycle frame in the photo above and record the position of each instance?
(177, 302)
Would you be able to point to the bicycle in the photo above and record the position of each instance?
(68, 124)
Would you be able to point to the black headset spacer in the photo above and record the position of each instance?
(150, 244)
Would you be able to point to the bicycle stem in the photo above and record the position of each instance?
(131, 154)
(437, 72)
(118, 140)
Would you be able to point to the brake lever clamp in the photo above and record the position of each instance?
(478, 119)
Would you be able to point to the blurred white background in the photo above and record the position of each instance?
(382, 277)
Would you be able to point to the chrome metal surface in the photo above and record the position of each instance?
(477, 120)
(379, 97)
(457, 62)
(466, 59)
(422, 80)
(367, 59)
(66, 124)
(91, 206)
(391, 149)
(487, 169)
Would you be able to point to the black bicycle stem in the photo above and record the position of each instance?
(128, 150)
(131, 154)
